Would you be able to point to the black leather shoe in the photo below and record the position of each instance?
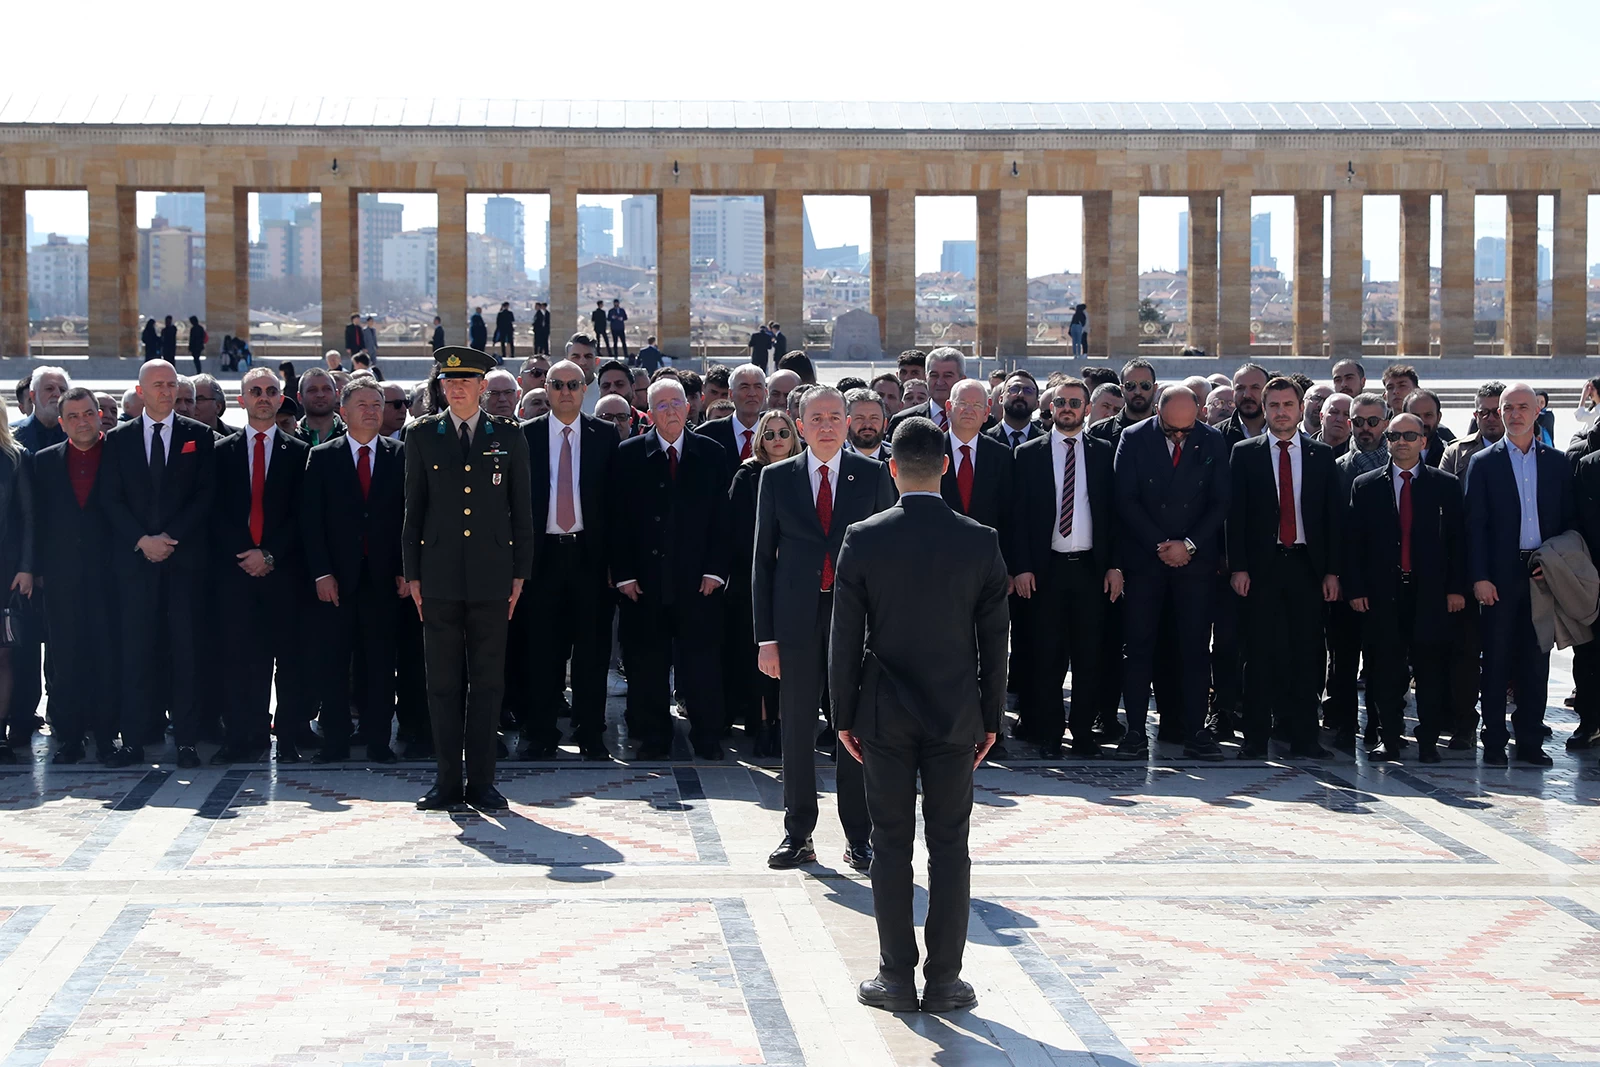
(1344, 740)
(594, 751)
(1427, 753)
(954, 995)
(1203, 748)
(223, 756)
(1494, 753)
(67, 754)
(711, 752)
(288, 752)
(1533, 756)
(1583, 738)
(887, 996)
(1109, 733)
(126, 756)
(653, 754)
(438, 800)
(486, 798)
(8, 756)
(417, 750)
(792, 854)
(188, 758)
(1250, 750)
(538, 753)
(1384, 753)
(1461, 743)
(1089, 751)
(332, 754)
(381, 754)
(859, 857)
(1051, 750)
(1132, 747)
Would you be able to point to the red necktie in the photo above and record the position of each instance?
(672, 463)
(964, 479)
(1286, 525)
(1405, 521)
(258, 489)
(364, 471)
(1177, 452)
(825, 517)
(744, 450)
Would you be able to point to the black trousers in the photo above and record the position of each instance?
(465, 646)
(804, 673)
(1068, 613)
(366, 618)
(411, 681)
(896, 755)
(1344, 666)
(572, 620)
(83, 657)
(1393, 655)
(1110, 695)
(1511, 654)
(620, 337)
(541, 342)
(1586, 686)
(264, 609)
(1283, 653)
(159, 620)
(1466, 664)
(1188, 597)
(741, 678)
(650, 630)
(1227, 663)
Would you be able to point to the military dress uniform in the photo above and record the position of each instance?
(468, 533)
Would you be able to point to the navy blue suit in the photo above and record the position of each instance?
(1510, 651)
(1159, 501)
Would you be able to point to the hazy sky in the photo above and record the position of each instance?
(1001, 50)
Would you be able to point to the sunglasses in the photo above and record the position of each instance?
(1403, 435)
(271, 390)
(398, 405)
(1370, 421)
(1487, 413)
(1143, 387)
(774, 435)
(621, 416)
(535, 372)
(562, 385)
(1073, 402)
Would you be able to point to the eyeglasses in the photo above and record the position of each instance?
(503, 392)
(535, 372)
(670, 405)
(619, 417)
(774, 435)
(271, 390)
(1487, 413)
(1403, 435)
(565, 385)
(1073, 402)
(398, 405)
(1143, 387)
(1371, 421)
(1021, 390)
(970, 405)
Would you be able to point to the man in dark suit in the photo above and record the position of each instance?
(351, 515)
(352, 336)
(72, 558)
(1519, 494)
(669, 553)
(867, 436)
(946, 367)
(978, 481)
(918, 677)
(1021, 400)
(541, 330)
(570, 457)
(259, 567)
(1064, 529)
(1172, 501)
(1405, 574)
(1283, 551)
(736, 433)
(804, 507)
(467, 548)
(1249, 418)
(158, 476)
(42, 427)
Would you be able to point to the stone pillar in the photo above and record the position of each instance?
(1457, 263)
(13, 271)
(1233, 289)
(1416, 239)
(1003, 274)
(226, 276)
(1121, 315)
(672, 271)
(894, 268)
(113, 272)
(1308, 274)
(1097, 268)
(1522, 273)
(783, 298)
(562, 269)
(1203, 271)
(1345, 284)
(1568, 285)
(451, 282)
(341, 288)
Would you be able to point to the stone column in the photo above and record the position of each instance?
(1097, 268)
(13, 271)
(225, 275)
(562, 269)
(1121, 315)
(894, 268)
(1569, 293)
(1003, 273)
(451, 282)
(1457, 263)
(1522, 273)
(113, 271)
(1308, 274)
(784, 298)
(672, 271)
(1203, 271)
(1345, 284)
(1416, 239)
(341, 288)
(1233, 289)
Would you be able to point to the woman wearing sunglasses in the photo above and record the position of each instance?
(752, 693)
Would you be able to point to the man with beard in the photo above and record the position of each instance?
(1424, 404)
(1219, 405)
(1138, 394)
(1349, 377)
(42, 428)
(1335, 432)
(1248, 419)
(1020, 401)
(1370, 421)
(319, 395)
(868, 415)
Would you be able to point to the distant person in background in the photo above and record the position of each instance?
(1316, 396)
(800, 363)
(505, 326)
(1078, 330)
(541, 329)
(132, 405)
(369, 339)
(915, 395)
(352, 338)
(363, 365)
(169, 340)
(780, 343)
(24, 404)
(109, 410)
(42, 428)
(649, 356)
(478, 331)
(618, 320)
(888, 388)
(151, 340)
(911, 364)
(332, 360)
(602, 327)
(1107, 401)
(612, 409)
(209, 403)
(535, 402)
(437, 340)
(291, 380)
(1547, 418)
(760, 347)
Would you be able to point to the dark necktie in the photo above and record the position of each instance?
(744, 450)
(1286, 523)
(158, 466)
(964, 479)
(672, 463)
(466, 443)
(1405, 521)
(1177, 452)
(1016, 438)
(825, 517)
(1069, 487)
(364, 471)
(258, 490)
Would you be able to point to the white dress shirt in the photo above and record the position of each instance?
(250, 447)
(1082, 539)
(166, 434)
(814, 466)
(1296, 454)
(955, 452)
(371, 446)
(556, 426)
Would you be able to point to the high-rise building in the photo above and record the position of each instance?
(376, 222)
(1261, 241)
(58, 277)
(840, 257)
(492, 267)
(272, 207)
(1489, 260)
(411, 260)
(183, 210)
(503, 220)
(170, 257)
(1544, 264)
(960, 257)
(289, 248)
(639, 231)
(594, 231)
(729, 230)
(1183, 240)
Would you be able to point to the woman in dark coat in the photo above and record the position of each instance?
(151, 340)
(16, 558)
(776, 438)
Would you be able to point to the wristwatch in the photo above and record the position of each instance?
(1189, 545)
(267, 558)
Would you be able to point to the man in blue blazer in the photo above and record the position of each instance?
(1519, 495)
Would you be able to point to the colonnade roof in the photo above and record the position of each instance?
(134, 109)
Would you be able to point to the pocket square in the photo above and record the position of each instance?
(188, 446)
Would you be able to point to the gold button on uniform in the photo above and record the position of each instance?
(466, 488)
(468, 467)
(466, 511)
(466, 533)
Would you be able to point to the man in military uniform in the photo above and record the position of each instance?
(468, 547)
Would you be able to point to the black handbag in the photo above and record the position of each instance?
(15, 621)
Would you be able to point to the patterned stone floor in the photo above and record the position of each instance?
(623, 916)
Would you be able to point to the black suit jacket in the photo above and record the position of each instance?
(721, 431)
(541, 322)
(1034, 521)
(1253, 505)
(1438, 548)
(903, 644)
(335, 522)
(74, 555)
(991, 486)
(1002, 433)
(597, 450)
(1158, 502)
(666, 534)
(786, 569)
(281, 499)
(925, 410)
(183, 511)
(1494, 514)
